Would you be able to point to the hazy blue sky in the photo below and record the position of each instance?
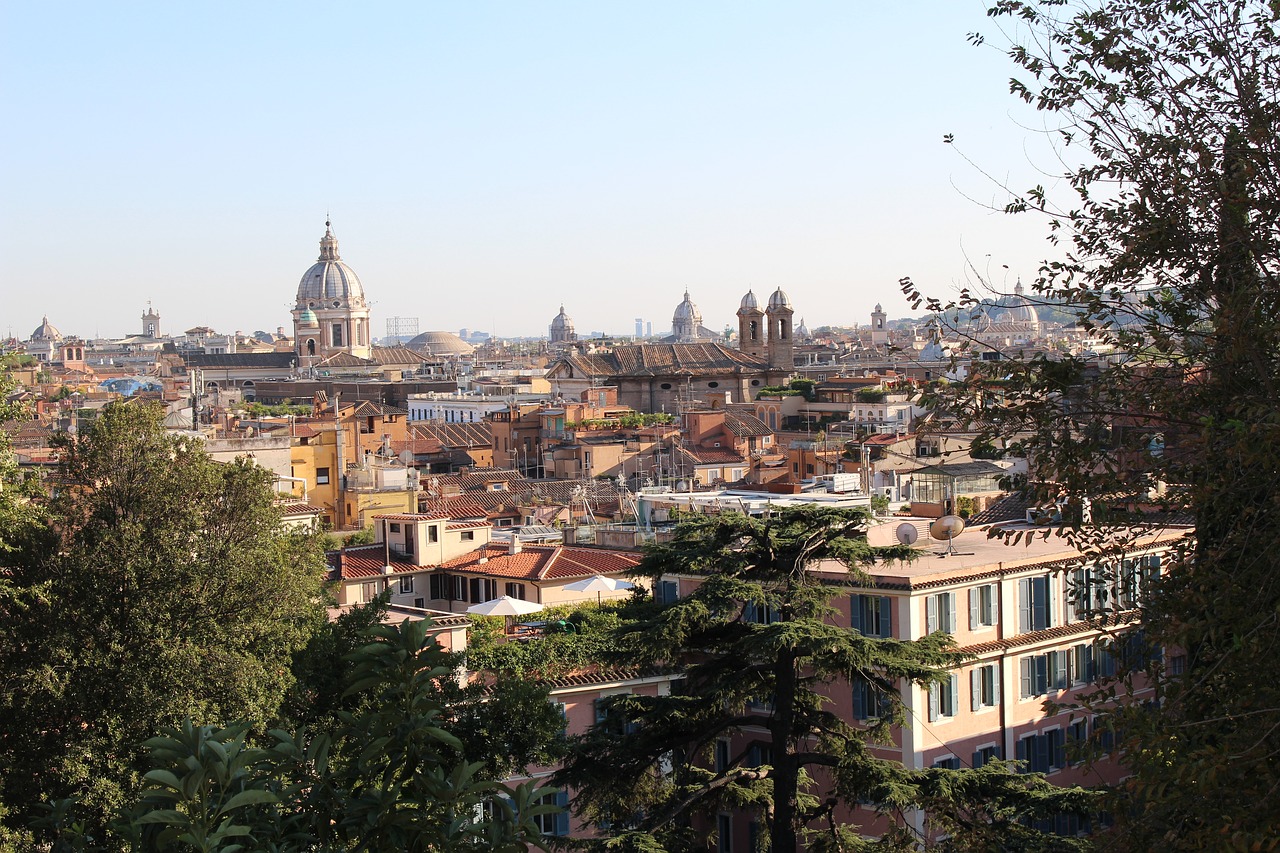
(484, 162)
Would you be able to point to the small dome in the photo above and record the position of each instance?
(46, 331)
(779, 300)
(329, 280)
(749, 302)
(802, 331)
(308, 318)
(440, 343)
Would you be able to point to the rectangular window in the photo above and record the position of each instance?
(406, 585)
(984, 682)
(724, 833)
(1043, 753)
(395, 527)
(869, 703)
(459, 588)
(433, 533)
(554, 823)
(438, 586)
(666, 592)
(944, 698)
(1082, 668)
(336, 337)
(767, 615)
(1042, 673)
(984, 754)
(515, 590)
(940, 612)
(468, 536)
(948, 763)
(722, 756)
(872, 615)
(982, 606)
(1034, 611)
(368, 592)
(322, 476)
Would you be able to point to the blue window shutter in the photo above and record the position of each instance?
(859, 699)
(996, 674)
(1024, 665)
(975, 688)
(750, 612)
(999, 750)
(931, 614)
(954, 688)
(975, 596)
(886, 616)
(935, 696)
(562, 819)
(949, 599)
(1024, 765)
(978, 760)
(855, 612)
(1024, 605)
(1042, 754)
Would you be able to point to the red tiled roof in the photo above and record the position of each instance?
(415, 516)
(300, 509)
(544, 562)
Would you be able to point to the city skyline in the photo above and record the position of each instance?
(484, 165)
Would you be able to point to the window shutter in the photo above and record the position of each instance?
(1060, 670)
(996, 674)
(1040, 599)
(562, 819)
(1024, 605)
(886, 617)
(855, 613)
(950, 601)
(975, 603)
(975, 688)
(1025, 665)
(1041, 763)
(934, 696)
(931, 614)
(978, 760)
(859, 699)
(749, 613)
(953, 707)
(1020, 753)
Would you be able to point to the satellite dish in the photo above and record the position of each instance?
(406, 458)
(947, 528)
(906, 533)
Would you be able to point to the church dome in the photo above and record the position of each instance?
(802, 331)
(687, 312)
(307, 318)
(561, 322)
(1021, 311)
(330, 283)
(440, 343)
(749, 302)
(46, 331)
(779, 300)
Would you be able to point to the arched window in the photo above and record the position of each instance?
(311, 346)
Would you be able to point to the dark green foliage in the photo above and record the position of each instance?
(389, 776)
(648, 769)
(1168, 249)
(154, 586)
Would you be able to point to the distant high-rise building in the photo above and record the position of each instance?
(648, 329)
(639, 327)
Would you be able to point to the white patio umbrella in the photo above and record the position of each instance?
(599, 584)
(504, 605)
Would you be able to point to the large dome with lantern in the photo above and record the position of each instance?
(329, 283)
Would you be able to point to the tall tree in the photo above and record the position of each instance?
(1166, 114)
(757, 648)
(168, 589)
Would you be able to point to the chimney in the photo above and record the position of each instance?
(515, 547)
